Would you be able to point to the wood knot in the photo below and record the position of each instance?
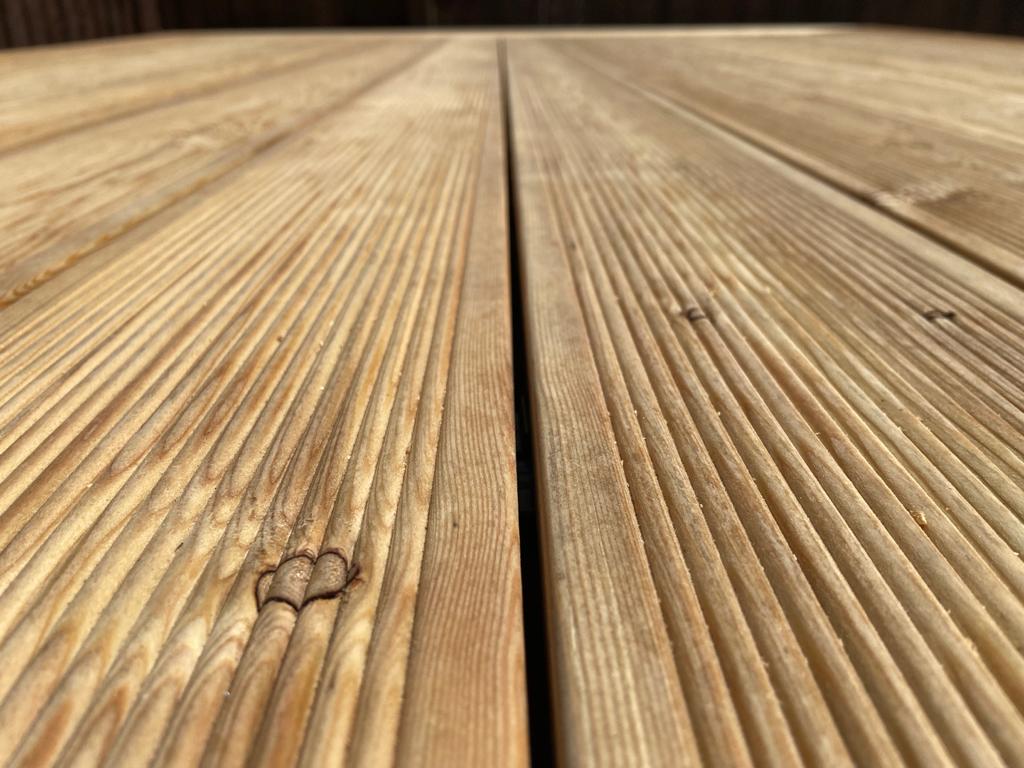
(302, 578)
(939, 314)
(330, 577)
(287, 583)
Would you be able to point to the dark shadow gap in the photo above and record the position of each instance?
(538, 678)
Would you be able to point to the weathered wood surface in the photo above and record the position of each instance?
(48, 91)
(895, 118)
(64, 198)
(780, 439)
(257, 450)
(257, 454)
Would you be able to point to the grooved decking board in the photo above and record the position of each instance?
(257, 491)
(257, 451)
(63, 199)
(893, 117)
(779, 440)
(49, 91)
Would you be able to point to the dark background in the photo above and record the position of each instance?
(28, 22)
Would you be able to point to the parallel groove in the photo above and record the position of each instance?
(947, 166)
(187, 68)
(103, 701)
(58, 218)
(277, 350)
(257, 501)
(655, 266)
(290, 495)
(293, 344)
(817, 719)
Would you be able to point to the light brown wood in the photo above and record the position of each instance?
(51, 91)
(258, 501)
(889, 116)
(220, 430)
(779, 440)
(64, 198)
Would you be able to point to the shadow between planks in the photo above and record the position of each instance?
(620, 398)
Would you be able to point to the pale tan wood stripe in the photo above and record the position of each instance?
(775, 747)
(468, 612)
(616, 693)
(323, 439)
(332, 636)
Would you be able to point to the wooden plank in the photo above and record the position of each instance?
(616, 693)
(463, 697)
(46, 92)
(219, 482)
(779, 443)
(66, 197)
(257, 501)
(884, 115)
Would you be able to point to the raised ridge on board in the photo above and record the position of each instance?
(235, 448)
(779, 443)
(257, 446)
(887, 116)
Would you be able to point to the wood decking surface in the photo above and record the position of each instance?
(259, 295)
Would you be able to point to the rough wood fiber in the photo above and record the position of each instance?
(780, 439)
(237, 438)
(49, 91)
(257, 501)
(895, 118)
(64, 198)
